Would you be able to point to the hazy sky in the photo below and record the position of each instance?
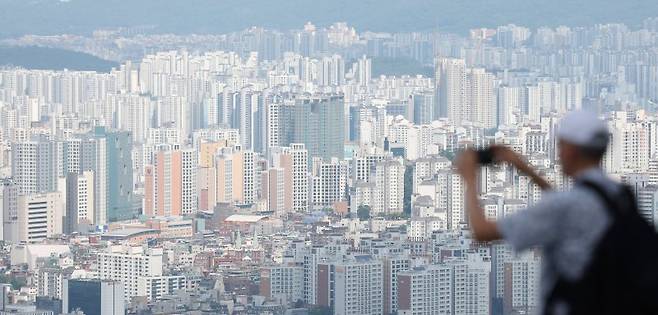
(218, 16)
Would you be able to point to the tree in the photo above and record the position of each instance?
(17, 283)
(363, 212)
(320, 310)
(408, 188)
(396, 216)
(450, 155)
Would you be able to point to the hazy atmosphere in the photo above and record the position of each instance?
(48, 17)
(376, 157)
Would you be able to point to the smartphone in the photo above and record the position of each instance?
(485, 156)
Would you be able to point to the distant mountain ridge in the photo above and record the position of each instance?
(220, 16)
(43, 58)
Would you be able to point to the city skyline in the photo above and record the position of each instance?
(49, 17)
(309, 170)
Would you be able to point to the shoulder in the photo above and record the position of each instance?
(583, 208)
(565, 200)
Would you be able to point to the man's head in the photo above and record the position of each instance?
(583, 140)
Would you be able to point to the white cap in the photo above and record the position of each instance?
(584, 129)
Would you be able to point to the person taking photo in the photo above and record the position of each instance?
(598, 255)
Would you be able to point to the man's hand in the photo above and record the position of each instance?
(505, 154)
(467, 165)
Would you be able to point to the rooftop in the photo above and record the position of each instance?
(128, 232)
(245, 218)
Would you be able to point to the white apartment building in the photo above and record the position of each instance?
(426, 291)
(450, 80)
(358, 287)
(521, 283)
(393, 266)
(35, 167)
(422, 228)
(647, 203)
(363, 165)
(300, 178)
(189, 162)
(470, 287)
(80, 207)
(49, 282)
(509, 105)
(389, 187)
(249, 177)
(630, 147)
(93, 156)
(329, 182)
(451, 197)
(40, 216)
(127, 264)
(480, 97)
(24, 166)
(155, 287)
(284, 284)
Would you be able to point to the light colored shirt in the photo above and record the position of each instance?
(567, 227)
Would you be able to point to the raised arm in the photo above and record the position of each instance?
(505, 154)
(483, 229)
